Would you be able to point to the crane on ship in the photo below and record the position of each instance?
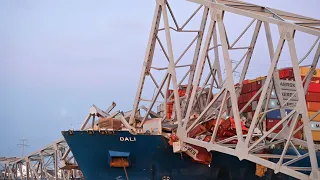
(212, 86)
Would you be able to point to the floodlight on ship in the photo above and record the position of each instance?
(71, 131)
(90, 131)
(103, 131)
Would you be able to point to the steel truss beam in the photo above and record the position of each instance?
(52, 161)
(55, 161)
(212, 35)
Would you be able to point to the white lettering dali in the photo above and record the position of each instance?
(131, 139)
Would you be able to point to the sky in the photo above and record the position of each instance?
(57, 58)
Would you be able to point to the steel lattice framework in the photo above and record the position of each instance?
(211, 54)
(212, 38)
(55, 161)
(41, 164)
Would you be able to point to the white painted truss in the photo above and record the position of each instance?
(212, 54)
(55, 161)
(207, 62)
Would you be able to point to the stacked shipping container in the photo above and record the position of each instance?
(287, 86)
(312, 96)
(287, 90)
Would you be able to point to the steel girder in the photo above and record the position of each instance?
(55, 161)
(41, 164)
(216, 36)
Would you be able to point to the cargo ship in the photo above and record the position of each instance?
(151, 157)
(110, 151)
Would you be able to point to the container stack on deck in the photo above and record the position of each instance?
(312, 96)
(287, 86)
(249, 89)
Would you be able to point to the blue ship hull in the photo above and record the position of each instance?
(151, 157)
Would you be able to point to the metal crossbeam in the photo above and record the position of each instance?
(212, 37)
(219, 93)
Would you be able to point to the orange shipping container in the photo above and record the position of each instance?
(261, 78)
(313, 106)
(316, 135)
(317, 118)
(313, 79)
(304, 71)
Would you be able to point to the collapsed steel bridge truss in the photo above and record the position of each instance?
(212, 67)
(212, 49)
(41, 164)
(55, 161)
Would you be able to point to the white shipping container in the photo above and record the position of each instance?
(287, 85)
(315, 126)
(273, 103)
(286, 94)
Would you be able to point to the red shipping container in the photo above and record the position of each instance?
(314, 87)
(170, 103)
(291, 73)
(284, 73)
(169, 92)
(198, 130)
(169, 115)
(246, 88)
(313, 97)
(246, 97)
(181, 92)
(240, 106)
(256, 85)
(248, 109)
(270, 123)
(254, 93)
(240, 98)
(169, 108)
